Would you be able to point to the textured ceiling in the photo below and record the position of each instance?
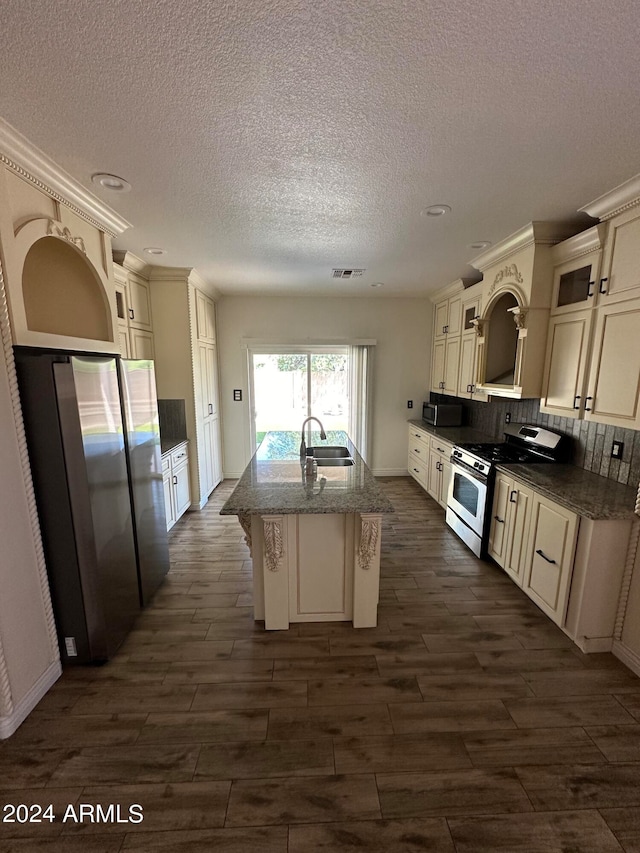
(268, 141)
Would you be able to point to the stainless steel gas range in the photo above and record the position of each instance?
(473, 468)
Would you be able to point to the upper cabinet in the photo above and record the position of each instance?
(516, 301)
(447, 322)
(592, 363)
(133, 306)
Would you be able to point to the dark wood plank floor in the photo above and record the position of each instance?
(466, 721)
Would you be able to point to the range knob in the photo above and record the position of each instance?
(476, 464)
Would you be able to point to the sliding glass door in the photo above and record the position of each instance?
(291, 384)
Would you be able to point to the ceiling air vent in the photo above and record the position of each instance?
(347, 273)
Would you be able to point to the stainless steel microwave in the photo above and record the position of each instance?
(442, 414)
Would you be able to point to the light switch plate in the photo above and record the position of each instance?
(237, 395)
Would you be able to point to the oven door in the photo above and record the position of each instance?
(466, 503)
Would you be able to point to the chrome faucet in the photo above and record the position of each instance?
(303, 446)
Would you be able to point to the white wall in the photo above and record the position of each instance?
(401, 328)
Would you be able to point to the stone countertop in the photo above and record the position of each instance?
(586, 494)
(169, 444)
(453, 434)
(273, 482)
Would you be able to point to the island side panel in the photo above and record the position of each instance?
(321, 567)
(366, 576)
(255, 546)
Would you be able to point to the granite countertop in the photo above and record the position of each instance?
(169, 444)
(273, 481)
(453, 434)
(587, 494)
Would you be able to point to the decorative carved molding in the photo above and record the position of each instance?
(519, 316)
(245, 522)
(369, 534)
(273, 542)
(6, 699)
(510, 271)
(627, 574)
(478, 325)
(55, 229)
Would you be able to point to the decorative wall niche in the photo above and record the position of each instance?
(501, 341)
(62, 293)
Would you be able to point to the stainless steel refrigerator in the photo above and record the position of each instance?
(88, 490)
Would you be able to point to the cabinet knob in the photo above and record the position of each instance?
(175, 481)
(602, 288)
(576, 401)
(586, 400)
(544, 556)
(498, 519)
(589, 291)
(511, 498)
(131, 314)
(210, 408)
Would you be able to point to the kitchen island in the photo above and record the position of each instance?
(314, 540)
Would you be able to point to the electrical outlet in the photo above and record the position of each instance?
(409, 404)
(617, 449)
(507, 418)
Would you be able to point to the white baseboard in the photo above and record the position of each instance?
(628, 657)
(593, 645)
(25, 706)
(390, 472)
(232, 475)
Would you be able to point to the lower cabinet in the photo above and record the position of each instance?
(429, 463)
(439, 470)
(552, 541)
(571, 567)
(175, 482)
(510, 519)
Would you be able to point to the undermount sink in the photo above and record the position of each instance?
(334, 461)
(329, 452)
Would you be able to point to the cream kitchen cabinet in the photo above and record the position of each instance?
(446, 358)
(570, 567)
(613, 387)
(175, 482)
(439, 469)
(468, 359)
(186, 368)
(516, 302)
(620, 209)
(550, 553)
(509, 530)
(418, 455)
(447, 325)
(567, 364)
(592, 364)
(133, 307)
(205, 317)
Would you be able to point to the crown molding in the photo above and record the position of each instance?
(131, 262)
(620, 198)
(22, 157)
(583, 243)
(184, 275)
(450, 290)
(533, 234)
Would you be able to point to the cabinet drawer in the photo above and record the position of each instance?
(179, 456)
(441, 447)
(166, 463)
(418, 469)
(419, 449)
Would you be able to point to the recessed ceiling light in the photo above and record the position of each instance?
(111, 182)
(479, 245)
(436, 210)
(154, 250)
(377, 284)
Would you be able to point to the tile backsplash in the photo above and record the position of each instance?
(591, 442)
(173, 419)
